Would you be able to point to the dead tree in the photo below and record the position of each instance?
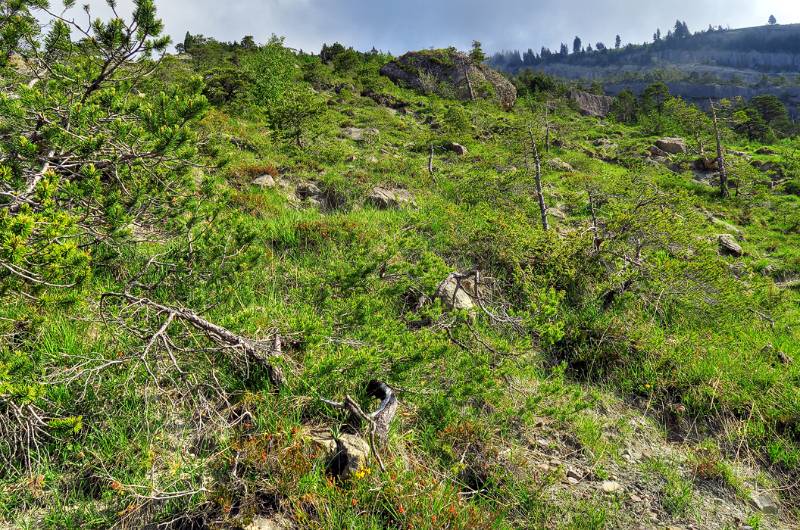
(723, 173)
(538, 176)
(257, 352)
(547, 127)
(378, 420)
(595, 227)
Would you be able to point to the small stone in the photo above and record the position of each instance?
(458, 149)
(610, 486)
(636, 498)
(557, 164)
(764, 503)
(264, 181)
(729, 246)
(574, 473)
(544, 467)
(572, 481)
(384, 198)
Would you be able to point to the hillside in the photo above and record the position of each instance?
(714, 64)
(249, 288)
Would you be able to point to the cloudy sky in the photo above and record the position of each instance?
(401, 25)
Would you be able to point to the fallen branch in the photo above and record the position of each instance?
(256, 351)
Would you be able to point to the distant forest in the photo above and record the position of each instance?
(773, 38)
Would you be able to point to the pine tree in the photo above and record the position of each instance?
(772, 20)
(618, 42)
(577, 45)
(477, 54)
(564, 50)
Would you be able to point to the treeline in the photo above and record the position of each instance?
(679, 37)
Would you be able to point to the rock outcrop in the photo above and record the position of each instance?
(450, 72)
(591, 104)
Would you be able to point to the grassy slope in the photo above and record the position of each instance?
(478, 417)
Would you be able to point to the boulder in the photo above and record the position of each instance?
(765, 151)
(450, 72)
(385, 198)
(729, 246)
(275, 522)
(557, 164)
(458, 295)
(308, 190)
(672, 146)
(655, 152)
(764, 503)
(264, 181)
(591, 104)
(458, 149)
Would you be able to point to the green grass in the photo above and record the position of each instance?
(686, 334)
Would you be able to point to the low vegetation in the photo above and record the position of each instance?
(214, 264)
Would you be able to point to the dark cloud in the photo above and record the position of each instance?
(400, 25)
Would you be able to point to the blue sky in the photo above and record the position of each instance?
(401, 25)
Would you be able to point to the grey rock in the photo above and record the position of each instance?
(359, 135)
(729, 246)
(264, 181)
(385, 198)
(457, 295)
(559, 165)
(610, 486)
(764, 503)
(352, 455)
(672, 146)
(458, 149)
(275, 522)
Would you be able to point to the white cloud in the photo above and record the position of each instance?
(400, 25)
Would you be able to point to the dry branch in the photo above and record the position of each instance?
(255, 351)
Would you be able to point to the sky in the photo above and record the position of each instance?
(398, 26)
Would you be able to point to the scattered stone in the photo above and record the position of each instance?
(351, 455)
(591, 104)
(672, 146)
(359, 135)
(275, 522)
(559, 165)
(635, 498)
(264, 181)
(558, 214)
(458, 149)
(765, 151)
(457, 295)
(384, 198)
(610, 486)
(572, 481)
(764, 503)
(706, 164)
(308, 190)
(729, 246)
(574, 473)
(655, 152)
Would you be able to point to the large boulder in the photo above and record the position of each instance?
(672, 146)
(450, 72)
(591, 104)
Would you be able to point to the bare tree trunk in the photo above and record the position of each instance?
(430, 162)
(469, 83)
(723, 173)
(538, 166)
(595, 229)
